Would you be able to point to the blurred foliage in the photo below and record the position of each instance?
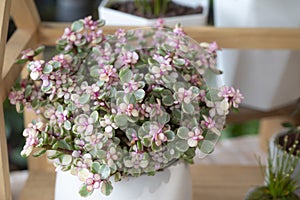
(241, 129)
(14, 127)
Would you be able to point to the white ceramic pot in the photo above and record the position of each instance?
(276, 150)
(173, 183)
(267, 78)
(117, 18)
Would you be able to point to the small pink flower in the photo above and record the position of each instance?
(212, 47)
(130, 86)
(36, 68)
(128, 109)
(27, 54)
(208, 122)
(234, 97)
(194, 137)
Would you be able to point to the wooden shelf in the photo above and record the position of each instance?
(211, 182)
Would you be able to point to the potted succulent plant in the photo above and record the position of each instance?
(267, 67)
(146, 12)
(282, 178)
(124, 106)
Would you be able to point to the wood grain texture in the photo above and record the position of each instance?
(5, 191)
(25, 14)
(4, 19)
(19, 41)
(236, 38)
(210, 182)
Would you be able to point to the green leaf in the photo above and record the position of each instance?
(84, 99)
(28, 91)
(67, 125)
(168, 100)
(187, 108)
(164, 118)
(139, 95)
(101, 22)
(47, 88)
(158, 89)
(21, 61)
(39, 153)
(66, 160)
(77, 26)
(84, 192)
(130, 132)
(125, 75)
(155, 148)
(57, 154)
(179, 61)
(117, 177)
(48, 68)
(195, 90)
(35, 103)
(206, 146)
(106, 188)
(183, 133)
(96, 168)
(182, 145)
(152, 62)
(61, 144)
(39, 50)
(170, 135)
(104, 171)
(146, 141)
(94, 116)
(121, 120)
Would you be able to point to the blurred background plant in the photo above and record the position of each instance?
(149, 7)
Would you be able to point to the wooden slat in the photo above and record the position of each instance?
(39, 186)
(224, 182)
(25, 14)
(5, 191)
(246, 114)
(240, 38)
(20, 40)
(4, 19)
(211, 182)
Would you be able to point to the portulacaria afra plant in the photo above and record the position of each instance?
(125, 104)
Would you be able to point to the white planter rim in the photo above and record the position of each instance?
(106, 3)
(119, 18)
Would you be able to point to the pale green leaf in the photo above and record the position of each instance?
(48, 68)
(121, 120)
(77, 26)
(139, 95)
(125, 75)
(95, 168)
(104, 171)
(106, 188)
(84, 99)
(67, 125)
(84, 192)
(183, 132)
(187, 108)
(182, 145)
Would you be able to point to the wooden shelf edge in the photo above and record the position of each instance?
(235, 179)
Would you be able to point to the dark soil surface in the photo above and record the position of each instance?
(293, 138)
(173, 9)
